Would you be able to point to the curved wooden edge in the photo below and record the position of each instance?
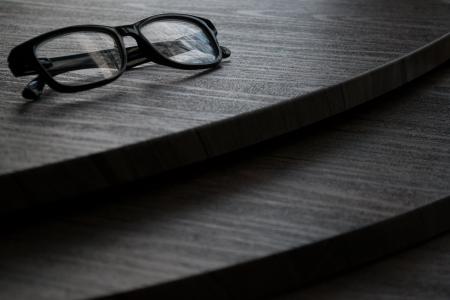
(73, 177)
(285, 271)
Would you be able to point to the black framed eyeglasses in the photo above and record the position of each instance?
(83, 57)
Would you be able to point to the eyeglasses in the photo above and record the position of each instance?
(83, 57)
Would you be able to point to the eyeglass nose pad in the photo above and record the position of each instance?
(225, 52)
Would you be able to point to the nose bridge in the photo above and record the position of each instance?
(129, 30)
(132, 32)
(136, 53)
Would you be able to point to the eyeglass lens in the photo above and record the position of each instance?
(181, 41)
(80, 58)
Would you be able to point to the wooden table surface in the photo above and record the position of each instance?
(254, 223)
(367, 166)
(420, 273)
(156, 118)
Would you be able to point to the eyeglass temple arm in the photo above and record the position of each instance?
(58, 65)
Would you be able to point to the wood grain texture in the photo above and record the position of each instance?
(155, 118)
(367, 166)
(286, 270)
(421, 273)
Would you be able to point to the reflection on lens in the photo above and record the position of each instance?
(181, 41)
(80, 58)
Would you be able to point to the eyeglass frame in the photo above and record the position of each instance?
(23, 60)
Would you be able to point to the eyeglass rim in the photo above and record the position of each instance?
(27, 50)
(212, 33)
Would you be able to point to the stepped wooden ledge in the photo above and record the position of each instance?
(119, 165)
(292, 64)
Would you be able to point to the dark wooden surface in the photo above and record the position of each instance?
(297, 267)
(367, 166)
(421, 273)
(370, 165)
(155, 118)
